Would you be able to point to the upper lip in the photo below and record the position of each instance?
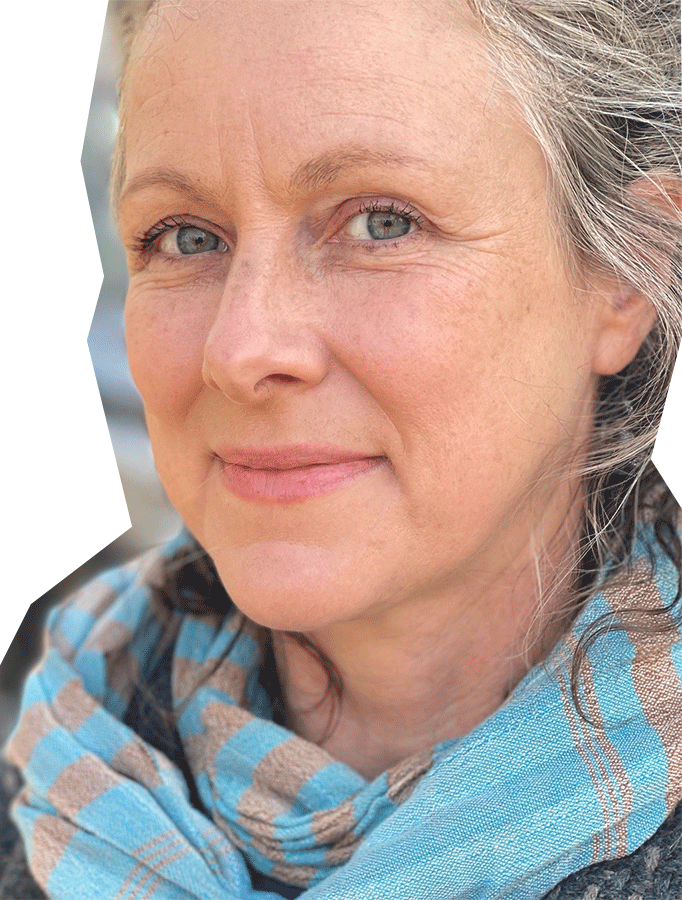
(292, 456)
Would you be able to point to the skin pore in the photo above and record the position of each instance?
(338, 236)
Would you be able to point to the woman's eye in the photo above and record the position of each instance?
(379, 225)
(189, 239)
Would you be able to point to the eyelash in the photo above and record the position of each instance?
(144, 242)
(393, 207)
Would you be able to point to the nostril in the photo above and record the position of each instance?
(281, 378)
(250, 364)
(277, 378)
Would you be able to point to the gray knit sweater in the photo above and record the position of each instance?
(654, 872)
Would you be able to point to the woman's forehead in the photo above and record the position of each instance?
(291, 19)
(298, 80)
(272, 43)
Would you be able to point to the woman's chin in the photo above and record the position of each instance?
(288, 586)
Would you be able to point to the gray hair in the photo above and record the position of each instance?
(599, 85)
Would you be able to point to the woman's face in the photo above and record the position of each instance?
(359, 348)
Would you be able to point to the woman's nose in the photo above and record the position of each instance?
(263, 342)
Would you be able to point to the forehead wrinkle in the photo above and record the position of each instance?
(325, 168)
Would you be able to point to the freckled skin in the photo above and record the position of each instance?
(462, 353)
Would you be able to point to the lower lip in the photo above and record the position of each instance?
(293, 485)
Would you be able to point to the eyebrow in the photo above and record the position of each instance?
(166, 177)
(320, 171)
(324, 169)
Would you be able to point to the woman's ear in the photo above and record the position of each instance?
(627, 318)
(627, 315)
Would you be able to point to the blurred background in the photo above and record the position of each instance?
(153, 519)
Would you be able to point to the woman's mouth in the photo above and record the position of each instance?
(291, 474)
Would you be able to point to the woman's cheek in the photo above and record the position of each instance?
(165, 340)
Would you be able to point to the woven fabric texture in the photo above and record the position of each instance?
(530, 796)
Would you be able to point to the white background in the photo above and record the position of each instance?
(62, 497)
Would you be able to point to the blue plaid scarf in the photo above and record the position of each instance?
(533, 794)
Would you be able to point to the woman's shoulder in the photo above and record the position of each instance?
(91, 602)
(653, 872)
(16, 881)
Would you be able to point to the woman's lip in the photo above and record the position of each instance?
(291, 474)
(292, 456)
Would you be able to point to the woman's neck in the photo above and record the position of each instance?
(418, 674)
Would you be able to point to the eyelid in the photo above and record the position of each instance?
(381, 204)
(143, 242)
